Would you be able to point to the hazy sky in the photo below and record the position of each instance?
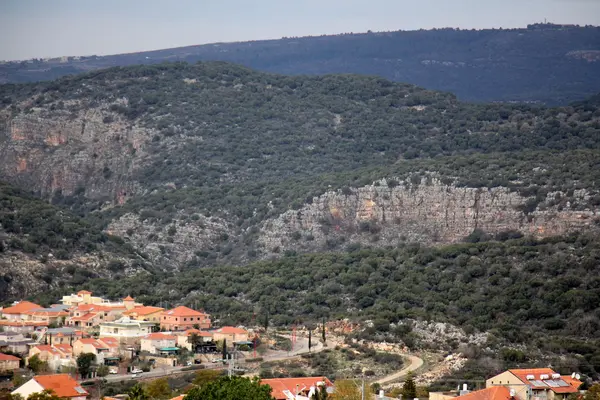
(48, 28)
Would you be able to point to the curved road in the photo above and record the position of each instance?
(415, 363)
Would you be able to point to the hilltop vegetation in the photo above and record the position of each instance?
(549, 63)
(524, 292)
(42, 246)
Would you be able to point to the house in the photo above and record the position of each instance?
(20, 326)
(296, 388)
(157, 343)
(63, 335)
(8, 362)
(17, 311)
(182, 318)
(126, 330)
(14, 342)
(54, 315)
(85, 297)
(231, 334)
(491, 393)
(183, 338)
(145, 313)
(535, 384)
(102, 349)
(57, 356)
(62, 385)
(90, 316)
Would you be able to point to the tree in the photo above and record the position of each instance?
(195, 341)
(320, 394)
(158, 389)
(137, 393)
(309, 339)
(224, 349)
(45, 395)
(593, 393)
(346, 390)
(102, 370)
(409, 389)
(323, 332)
(206, 376)
(231, 388)
(36, 365)
(84, 363)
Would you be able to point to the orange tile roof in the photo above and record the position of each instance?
(50, 349)
(47, 313)
(96, 343)
(8, 357)
(160, 336)
(128, 298)
(491, 393)
(180, 397)
(93, 307)
(84, 292)
(109, 341)
(183, 311)
(61, 384)
(230, 330)
(279, 385)
(535, 383)
(21, 307)
(22, 323)
(572, 381)
(65, 348)
(143, 310)
(85, 317)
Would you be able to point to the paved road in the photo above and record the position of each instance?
(415, 363)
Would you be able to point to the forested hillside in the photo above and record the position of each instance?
(202, 164)
(523, 292)
(547, 63)
(43, 246)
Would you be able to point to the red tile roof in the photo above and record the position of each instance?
(160, 336)
(183, 311)
(180, 397)
(84, 292)
(572, 381)
(65, 348)
(128, 298)
(20, 308)
(109, 341)
(200, 333)
(279, 385)
(230, 330)
(143, 310)
(61, 384)
(491, 393)
(51, 349)
(539, 383)
(96, 343)
(22, 323)
(85, 317)
(8, 357)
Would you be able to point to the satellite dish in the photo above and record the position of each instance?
(578, 376)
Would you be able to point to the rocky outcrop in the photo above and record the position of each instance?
(428, 212)
(175, 244)
(22, 275)
(90, 150)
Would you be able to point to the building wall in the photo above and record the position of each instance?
(152, 345)
(28, 388)
(510, 381)
(230, 337)
(182, 323)
(8, 365)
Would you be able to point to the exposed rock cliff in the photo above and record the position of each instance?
(428, 213)
(64, 151)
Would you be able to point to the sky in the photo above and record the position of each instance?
(51, 28)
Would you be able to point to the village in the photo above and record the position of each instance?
(85, 337)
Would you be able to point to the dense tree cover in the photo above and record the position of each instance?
(543, 293)
(231, 388)
(33, 226)
(540, 63)
(229, 139)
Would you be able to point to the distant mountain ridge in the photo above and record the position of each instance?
(553, 64)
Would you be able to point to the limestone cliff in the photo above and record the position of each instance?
(58, 150)
(428, 213)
